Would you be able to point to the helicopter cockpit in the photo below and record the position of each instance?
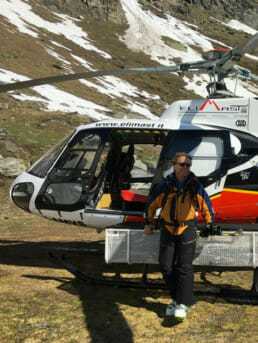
(99, 164)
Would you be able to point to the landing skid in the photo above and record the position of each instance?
(232, 295)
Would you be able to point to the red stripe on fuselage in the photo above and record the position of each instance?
(236, 206)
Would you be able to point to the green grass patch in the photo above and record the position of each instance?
(173, 43)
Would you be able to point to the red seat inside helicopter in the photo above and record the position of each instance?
(139, 195)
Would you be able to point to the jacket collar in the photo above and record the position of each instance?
(172, 179)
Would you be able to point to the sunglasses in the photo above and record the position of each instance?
(188, 165)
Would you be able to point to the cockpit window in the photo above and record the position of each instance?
(81, 154)
(41, 167)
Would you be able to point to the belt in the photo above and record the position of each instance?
(175, 223)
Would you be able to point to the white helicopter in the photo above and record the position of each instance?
(101, 175)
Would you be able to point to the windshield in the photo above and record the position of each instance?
(41, 167)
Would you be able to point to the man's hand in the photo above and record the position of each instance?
(216, 230)
(210, 230)
(148, 229)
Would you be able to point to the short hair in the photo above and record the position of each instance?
(179, 154)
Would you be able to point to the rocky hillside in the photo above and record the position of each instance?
(245, 10)
(53, 37)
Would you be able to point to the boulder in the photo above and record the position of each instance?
(11, 166)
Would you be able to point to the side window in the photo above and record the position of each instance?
(207, 156)
(207, 152)
(145, 160)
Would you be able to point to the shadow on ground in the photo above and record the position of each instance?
(101, 304)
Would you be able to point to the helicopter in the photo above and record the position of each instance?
(101, 175)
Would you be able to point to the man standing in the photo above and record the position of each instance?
(179, 196)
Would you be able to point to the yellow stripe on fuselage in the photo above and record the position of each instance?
(239, 191)
(215, 196)
(233, 191)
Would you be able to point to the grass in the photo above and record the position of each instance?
(32, 131)
(173, 44)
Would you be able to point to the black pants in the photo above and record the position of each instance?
(175, 258)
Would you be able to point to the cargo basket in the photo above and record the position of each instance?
(133, 246)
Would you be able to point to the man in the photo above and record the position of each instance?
(179, 196)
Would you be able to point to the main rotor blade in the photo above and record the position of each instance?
(226, 61)
(249, 44)
(253, 77)
(244, 73)
(223, 65)
(85, 75)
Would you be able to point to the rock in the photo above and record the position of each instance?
(151, 166)
(3, 133)
(244, 11)
(11, 166)
(10, 146)
(140, 165)
(4, 105)
(99, 9)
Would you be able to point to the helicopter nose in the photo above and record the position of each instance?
(21, 194)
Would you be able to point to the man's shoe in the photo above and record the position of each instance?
(170, 310)
(180, 312)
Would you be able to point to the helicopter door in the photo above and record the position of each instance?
(210, 151)
(70, 183)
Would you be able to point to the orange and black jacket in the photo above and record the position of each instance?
(179, 206)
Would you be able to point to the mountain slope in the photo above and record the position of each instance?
(41, 38)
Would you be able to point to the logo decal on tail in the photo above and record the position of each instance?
(210, 102)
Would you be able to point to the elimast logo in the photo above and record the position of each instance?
(210, 102)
